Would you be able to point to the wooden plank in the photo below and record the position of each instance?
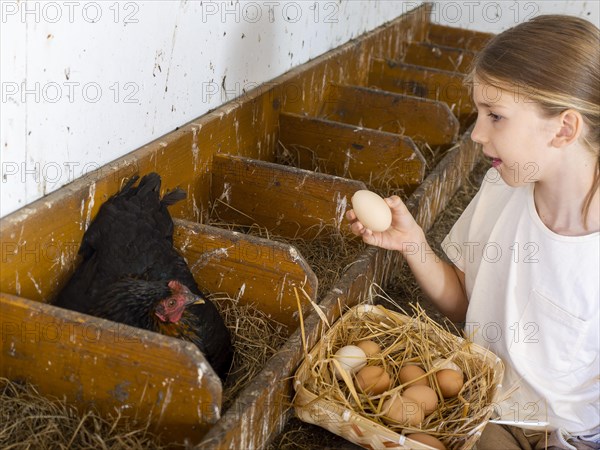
(456, 37)
(252, 269)
(95, 362)
(288, 201)
(421, 119)
(384, 161)
(441, 85)
(437, 56)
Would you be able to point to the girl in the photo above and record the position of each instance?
(525, 253)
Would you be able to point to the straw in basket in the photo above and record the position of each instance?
(341, 408)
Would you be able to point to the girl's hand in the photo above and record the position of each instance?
(403, 230)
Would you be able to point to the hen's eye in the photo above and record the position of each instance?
(171, 303)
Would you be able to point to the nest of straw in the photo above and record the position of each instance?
(29, 420)
(255, 338)
(340, 407)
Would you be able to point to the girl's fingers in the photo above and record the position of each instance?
(356, 227)
(393, 201)
(396, 204)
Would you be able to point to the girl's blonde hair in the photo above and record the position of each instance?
(553, 60)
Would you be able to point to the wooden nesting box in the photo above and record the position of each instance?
(372, 113)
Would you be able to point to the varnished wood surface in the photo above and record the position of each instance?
(383, 161)
(95, 362)
(437, 56)
(441, 85)
(286, 200)
(249, 269)
(456, 37)
(423, 120)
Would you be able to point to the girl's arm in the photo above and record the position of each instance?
(442, 283)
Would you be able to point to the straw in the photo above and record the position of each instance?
(417, 339)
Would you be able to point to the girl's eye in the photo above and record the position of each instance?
(494, 117)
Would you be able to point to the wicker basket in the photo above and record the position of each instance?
(331, 404)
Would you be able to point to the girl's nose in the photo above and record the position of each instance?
(477, 135)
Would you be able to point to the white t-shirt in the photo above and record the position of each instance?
(534, 301)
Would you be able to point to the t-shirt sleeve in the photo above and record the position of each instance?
(455, 244)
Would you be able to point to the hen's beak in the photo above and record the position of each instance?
(193, 299)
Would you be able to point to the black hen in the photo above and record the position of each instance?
(131, 273)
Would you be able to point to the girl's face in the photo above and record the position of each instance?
(514, 134)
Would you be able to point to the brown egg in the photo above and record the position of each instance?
(424, 396)
(410, 372)
(402, 410)
(373, 380)
(369, 347)
(426, 439)
(450, 382)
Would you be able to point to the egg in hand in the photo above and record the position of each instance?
(371, 210)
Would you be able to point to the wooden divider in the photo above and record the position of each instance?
(286, 200)
(456, 37)
(95, 362)
(437, 56)
(249, 268)
(441, 85)
(383, 161)
(423, 120)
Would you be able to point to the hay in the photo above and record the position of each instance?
(403, 340)
(30, 421)
(328, 254)
(255, 338)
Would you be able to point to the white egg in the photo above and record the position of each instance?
(442, 363)
(372, 210)
(351, 358)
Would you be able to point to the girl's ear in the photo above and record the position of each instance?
(571, 125)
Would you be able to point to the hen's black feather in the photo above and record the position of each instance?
(128, 259)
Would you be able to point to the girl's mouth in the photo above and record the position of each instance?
(496, 162)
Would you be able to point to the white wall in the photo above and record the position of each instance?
(85, 82)
(497, 16)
